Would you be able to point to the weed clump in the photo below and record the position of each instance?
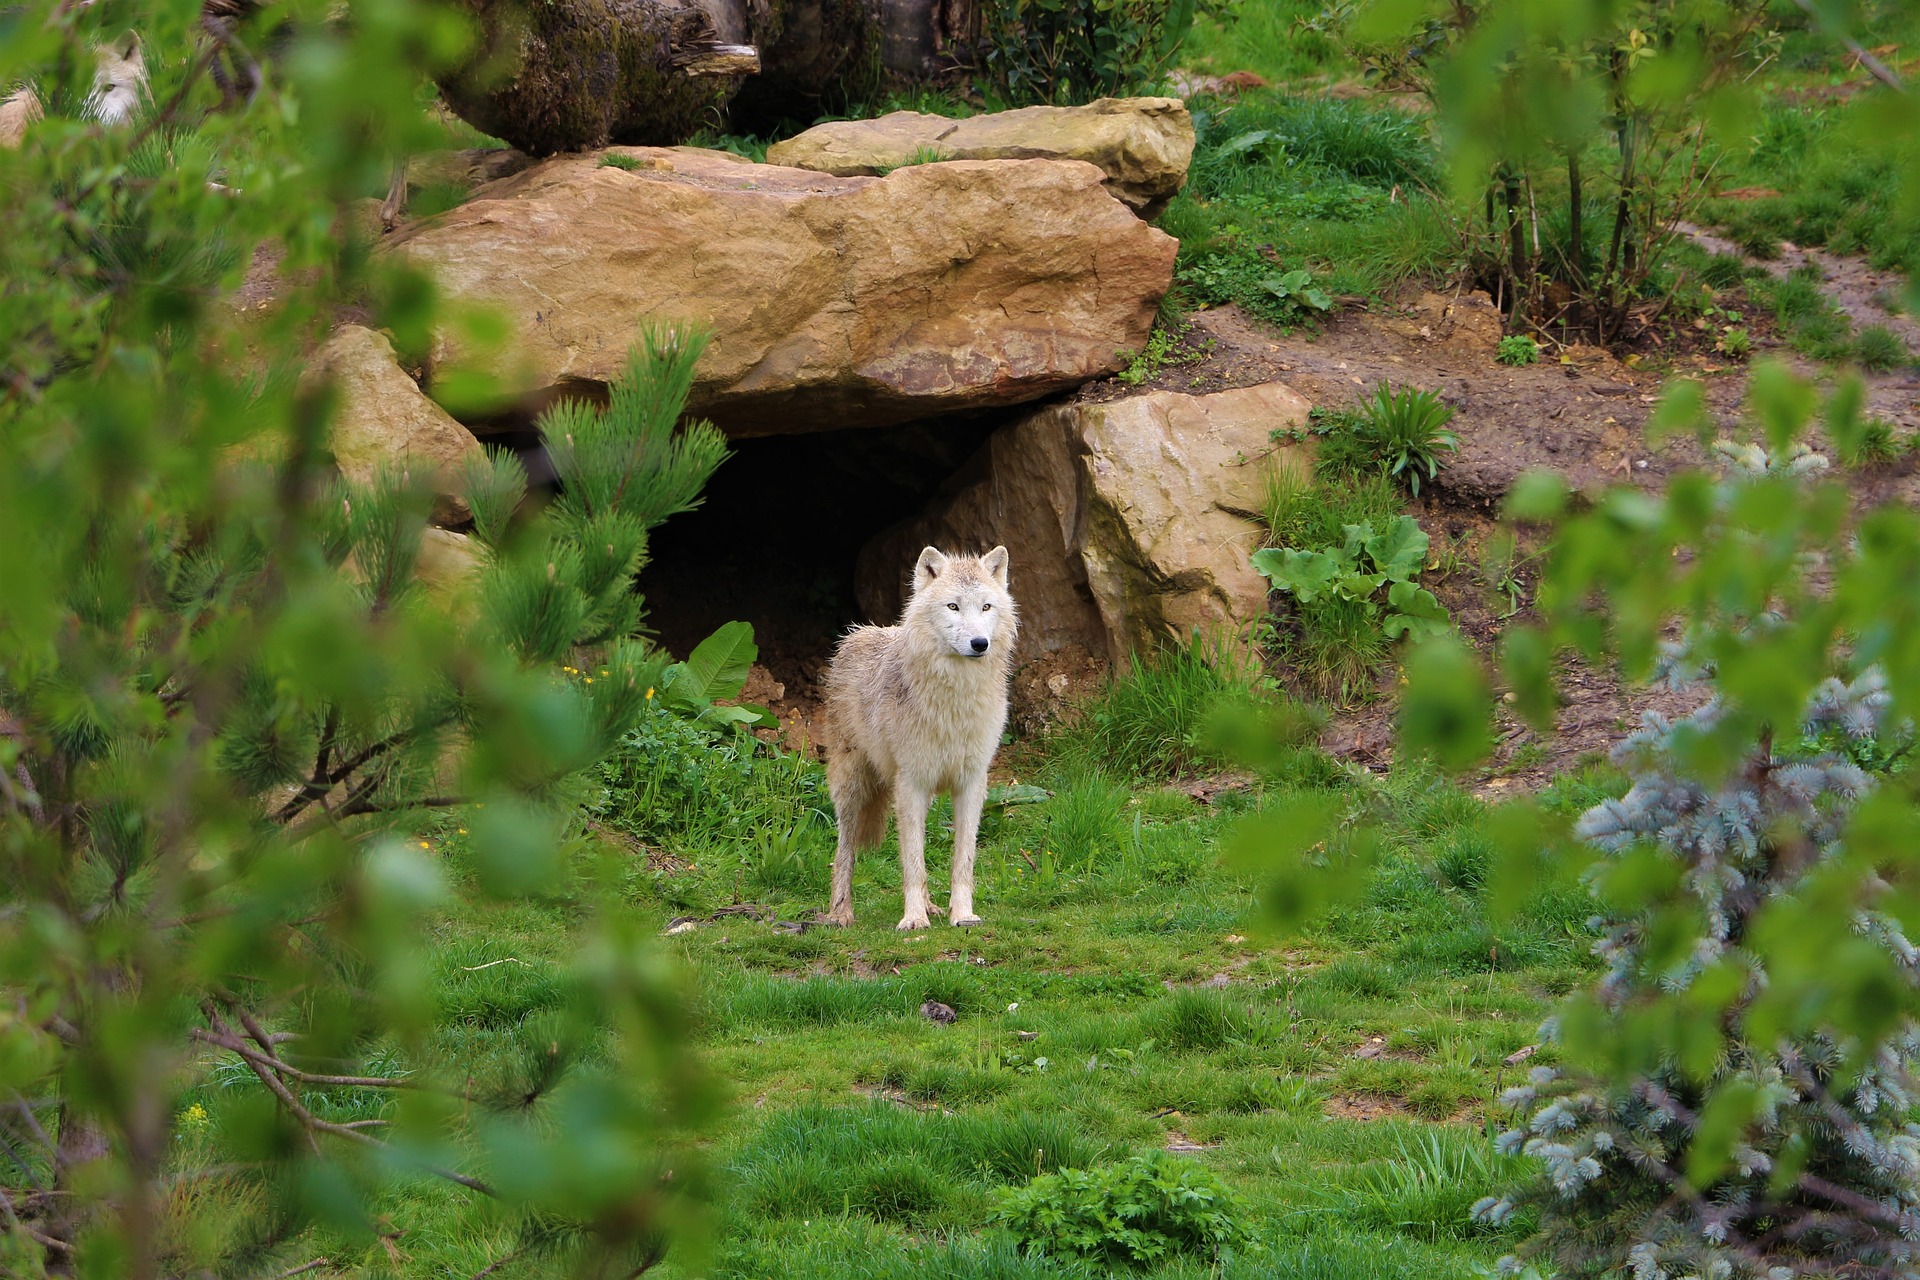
(1406, 432)
(1517, 349)
(1147, 1210)
(1152, 720)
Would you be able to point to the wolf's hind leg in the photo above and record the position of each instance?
(860, 812)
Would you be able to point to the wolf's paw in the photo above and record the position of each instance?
(917, 920)
(838, 919)
(965, 922)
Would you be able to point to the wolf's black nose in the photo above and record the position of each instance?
(979, 644)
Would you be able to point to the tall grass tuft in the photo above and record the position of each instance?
(1150, 721)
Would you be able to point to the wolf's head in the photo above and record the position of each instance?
(119, 80)
(963, 601)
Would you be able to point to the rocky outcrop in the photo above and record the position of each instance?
(382, 418)
(1143, 145)
(833, 302)
(1130, 522)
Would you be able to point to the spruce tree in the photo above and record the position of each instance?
(1702, 1130)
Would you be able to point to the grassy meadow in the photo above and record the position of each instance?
(1125, 994)
(1122, 997)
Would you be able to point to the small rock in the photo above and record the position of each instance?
(682, 926)
(1519, 1056)
(934, 1011)
(1373, 1048)
(1026, 1035)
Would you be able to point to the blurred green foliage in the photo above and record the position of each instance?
(232, 715)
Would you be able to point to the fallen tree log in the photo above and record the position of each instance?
(569, 75)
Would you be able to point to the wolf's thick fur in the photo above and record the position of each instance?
(917, 709)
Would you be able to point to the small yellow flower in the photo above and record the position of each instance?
(463, 831)
(194, 1117)
(589, 679)
(425, 845)
(649, 693)
(605, 672)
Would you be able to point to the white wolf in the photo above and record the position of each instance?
(916, 709)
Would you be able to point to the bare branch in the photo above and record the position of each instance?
(1876, 68)
(313, 1125)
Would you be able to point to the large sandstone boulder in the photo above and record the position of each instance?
(1129, 522)
(1143, 145)
(383, 418)
(833, 302)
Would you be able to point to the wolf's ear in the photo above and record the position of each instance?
(932, 564)
(995, 563)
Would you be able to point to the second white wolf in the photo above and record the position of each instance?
(917, 709)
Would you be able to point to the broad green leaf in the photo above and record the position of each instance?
(1307, 575)
(717, 668)
(1401, 551)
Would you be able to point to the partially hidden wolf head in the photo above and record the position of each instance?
(962, 602)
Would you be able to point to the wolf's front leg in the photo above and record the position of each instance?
(968, 799)
(910, 802)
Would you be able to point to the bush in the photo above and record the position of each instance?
(1363, 565)
(1143, 1211)
(1738, 1118)
(1062, 52)
(1517, 349)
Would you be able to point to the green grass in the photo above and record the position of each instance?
(1277, 39)
(1331, 187)
(1836, 187)
(1152, 720)
(857, 1138)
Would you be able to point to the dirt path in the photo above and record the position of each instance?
(1857, 289)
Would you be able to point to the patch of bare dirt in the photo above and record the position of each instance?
(1365, 1106)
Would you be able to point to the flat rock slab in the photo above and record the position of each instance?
(833, 302)
(1143, 145)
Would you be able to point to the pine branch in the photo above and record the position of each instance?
(311, 1124)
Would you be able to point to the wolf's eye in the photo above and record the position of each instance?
(985, 607)
(951, 605)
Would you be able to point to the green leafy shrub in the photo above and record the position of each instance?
(1062, 52)
(1143, 1211)
(1406, 431)
(1244, 277)
(1517, 349)
(1357, 570)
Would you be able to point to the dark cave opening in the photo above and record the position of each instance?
(776, 539)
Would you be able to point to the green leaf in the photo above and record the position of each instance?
(717, 668)
(1419, 614)
(1308, 575)
(1401, 551)
(1447, 709)
(1245, 142)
